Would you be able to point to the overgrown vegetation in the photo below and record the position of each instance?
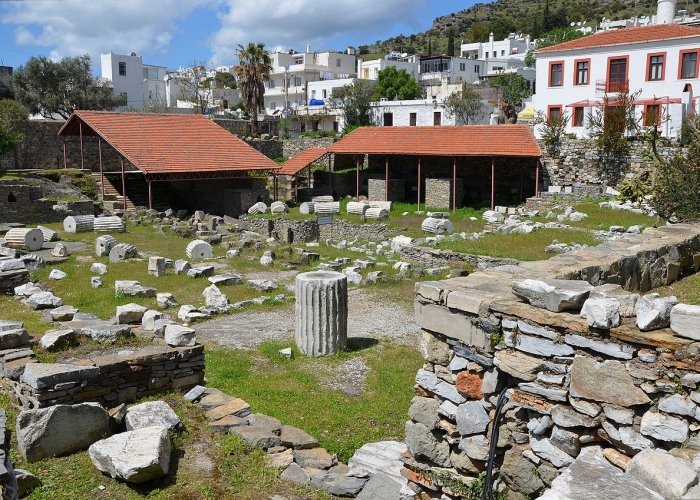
(610, 124)
(552, 130)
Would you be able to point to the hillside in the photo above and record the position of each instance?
(502, 17)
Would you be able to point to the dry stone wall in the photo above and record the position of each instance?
(23, 203)
(106, 379)
(296, 231)
(570, 386)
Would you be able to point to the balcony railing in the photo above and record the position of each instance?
(611, 86)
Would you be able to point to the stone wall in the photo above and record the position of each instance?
(376, 190)
(302, 231)
(231, 197)
(439, 193)
(433, 257)
(25, 203)
(579, 163)
(571, 386)
(106, 379)
(241, 128)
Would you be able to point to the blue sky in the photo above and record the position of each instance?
(174, 33)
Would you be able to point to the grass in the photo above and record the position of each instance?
(603, 218)
(687, 290)
(291, 390)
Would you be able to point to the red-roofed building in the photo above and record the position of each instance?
(210, 168)
(660, 60)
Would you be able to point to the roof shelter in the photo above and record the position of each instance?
(165, 147)
(299, 162)
(490, 141)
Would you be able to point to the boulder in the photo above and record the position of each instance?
(151, 414)
(165, 300)
(472, 418)
(130, 314)
(49, 432)
(553, 295)
(423, 444)
(179, 336)
(654, 312)
(135, 456)
(60, 250)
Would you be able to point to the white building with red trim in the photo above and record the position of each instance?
(661, 61)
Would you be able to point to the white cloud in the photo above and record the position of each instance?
(294, 23)
(76, 27)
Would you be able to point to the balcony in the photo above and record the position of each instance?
(603, 87)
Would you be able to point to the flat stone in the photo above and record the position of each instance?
(27, 290)
(225, 280)
(214, 398)
(295, 474)
(43, 300)
(476, 447)
(379, 487)
(134, 456)
(611, 349)
(564, 416)
(537, 346)
(490, 382)
(266, 422)
(281, 460)
(105, 333)
(339, 484)
(619, 414)
(592, 476)
(525, 327)
(684, 321)
(679, 405)
(669, 476)
(49, 432)
(664, 428)
(616, 458)
(382, 458)
(46, 375)
(257, 436)
(57, 339)
(544, 449)
(193, 394)
(261, 285)
(472, 418)
(295, 438)
(606, 382)
(520, 366)
(553, 295)
(151, 414)
(550, 394)
(63, 313)
(130, 314)
(234, 406)
(13, 338)
(316, 458)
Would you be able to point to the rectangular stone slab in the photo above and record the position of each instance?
(664, 338)
(521, 310)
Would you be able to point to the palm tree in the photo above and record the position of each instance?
(253, 70)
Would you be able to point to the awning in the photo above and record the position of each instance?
(527, 112)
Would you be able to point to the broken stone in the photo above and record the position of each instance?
(669, 476)
(261, 285)
(619, 414)
(148, 321)
(654, 312)
(544, 449)
(476, 447)
(684, 321)
(425, 411)
(130, 314)
(607, 382)
(602, 313)
(57, 339)
(520, 366)
(537, 346)
(423, 444)
(105, 333)
(564, 416)
(165, 300)
(566, 440)
(63, 313)
(316, 458)
(43, 300)
(96, 282)
(664, 427)
(472, 418)
(610, 348)
(57, 274)
(553, 295)
(151, 414)
(679, 405)
(180, 336)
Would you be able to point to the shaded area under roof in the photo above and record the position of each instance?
(467, 140)
(162, 145)
(300, 161)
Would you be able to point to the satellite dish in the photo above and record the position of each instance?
(572, 24)
(277, 49)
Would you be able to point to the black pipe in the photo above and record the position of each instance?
(487, 492)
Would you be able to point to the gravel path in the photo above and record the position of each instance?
(370, 316)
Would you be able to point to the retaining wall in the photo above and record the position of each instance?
(25, 203)
(572, 386)
(302, 231)
(108, 379)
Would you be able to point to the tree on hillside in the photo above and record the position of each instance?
(12, 116)
(500, 28)
(354, 101)
(224, 80)
(451, 43)
(465, 105)
(194, 86)
(253, 71)
(397, 85)
(53, 88)
(477, 32)
(514, 89)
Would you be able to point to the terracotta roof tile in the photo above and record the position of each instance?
(300, 161)
(626, 36)
(467, 140)
(169, 143)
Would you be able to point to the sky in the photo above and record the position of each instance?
(174, 33)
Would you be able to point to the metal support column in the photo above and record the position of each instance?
(123, 183)
(419, 183)
(82, 157)
(150, 196)
(454, 183)
(102, 174)
(64, 155)
(386, 180)
(357, 179)
(493, 183)
(521, 181)
(537, 178)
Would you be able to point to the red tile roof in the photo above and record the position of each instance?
(467, 140)
(626, 36)
(300, 161)
(169, 143)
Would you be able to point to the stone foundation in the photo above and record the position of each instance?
(302, 231)
(376, 190)
(438, 193)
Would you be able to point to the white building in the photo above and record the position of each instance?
(660, 60)
(293, 71)
(434, 69)
(142, 84)
(513, 47)
(369, 70)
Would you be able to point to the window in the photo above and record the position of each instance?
(150, 94)
(271, 84)
(388, 119)
(463, 66)
(324, 94)
(553, 112)
(297, 81)
(652, 115)
(477, 69)
(556, 74)
(337, 63)
(122, 69)
(150, 73)
(486, 55)
(582, 72)
(225, 103)
(376, 72)
(335, 126)
(577, 120)
(313, 94)
(503, 52)
(437, 118)
(689, 64)
(273, 105)
(299, 60)
(412, 119)
(617, 74)
(655, 67)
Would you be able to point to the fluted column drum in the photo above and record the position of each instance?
(321, 313)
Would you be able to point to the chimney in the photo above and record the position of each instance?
(351, 50)
(308, 48)
(665, 11)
